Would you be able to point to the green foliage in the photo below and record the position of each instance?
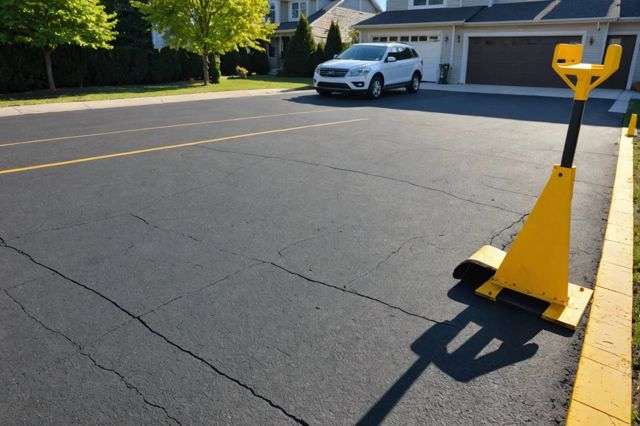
(298, 59)
(318, 55)
(133, 30)
(21, 68)
(334, 41)
(256, 61)
(48, 24)
(242, 72)
(209, 26)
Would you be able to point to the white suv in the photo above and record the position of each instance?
(370, 68)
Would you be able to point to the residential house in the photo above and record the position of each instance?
(509, 42)
(320, 13)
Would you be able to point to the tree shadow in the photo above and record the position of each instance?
(514, 107)
(512, 328)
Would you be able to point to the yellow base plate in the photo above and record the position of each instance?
(569, 316)
(490, 258)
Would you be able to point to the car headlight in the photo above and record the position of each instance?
(359, 71)
(317, 71)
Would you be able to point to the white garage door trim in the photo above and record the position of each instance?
(465, 44)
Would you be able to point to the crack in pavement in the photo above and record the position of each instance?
(361, 172)
(146, 222)
(506, 228)
(146, 325)
(356, 293)
(263, 261)
(87, 355)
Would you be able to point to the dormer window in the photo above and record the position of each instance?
(298, 8)
(423, 4)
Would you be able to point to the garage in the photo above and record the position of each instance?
(429, 48)
(619, 79)
(500, 60)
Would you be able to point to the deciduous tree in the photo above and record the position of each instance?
(209, 27)
(47, 24)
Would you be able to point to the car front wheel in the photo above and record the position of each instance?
(414, 84)
(375, 87)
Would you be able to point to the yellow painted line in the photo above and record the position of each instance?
(171, 126)
(602, 389)
(168, 147)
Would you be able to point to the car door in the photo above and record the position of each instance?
(406, 64)
(391, 70)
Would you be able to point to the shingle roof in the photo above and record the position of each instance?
(510, 12)
(419, 16)
(575, 9)
(630, 8)
(291, 25)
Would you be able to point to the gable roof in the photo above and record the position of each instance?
(523, 11)
(576, 9)
(291, 25)
(419, 16)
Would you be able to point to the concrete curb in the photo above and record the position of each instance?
(602, 390)
(130, 102)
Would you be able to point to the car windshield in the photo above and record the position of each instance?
(362, 52)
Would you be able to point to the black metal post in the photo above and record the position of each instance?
(571, 142)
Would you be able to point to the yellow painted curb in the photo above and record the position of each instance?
(602, 390)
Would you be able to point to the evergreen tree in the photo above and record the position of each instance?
(298, 60)
(334, 41)
(318, 55)
(133, 30)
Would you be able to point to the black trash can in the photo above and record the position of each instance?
(444, 73)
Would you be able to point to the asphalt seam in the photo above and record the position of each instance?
(87, 355)
(138, 318)
(362, 172)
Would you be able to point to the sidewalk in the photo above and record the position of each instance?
(128, 102)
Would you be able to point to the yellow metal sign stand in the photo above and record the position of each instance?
(537, 264)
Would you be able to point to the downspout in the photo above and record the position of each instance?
(453, 44)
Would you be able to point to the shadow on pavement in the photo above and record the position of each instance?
(528, 108)
(513, 328)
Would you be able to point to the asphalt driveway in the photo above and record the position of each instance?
(284, 259)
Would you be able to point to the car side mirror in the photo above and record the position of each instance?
(335, 56)
(391, 59)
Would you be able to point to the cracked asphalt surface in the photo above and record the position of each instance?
(298, 276)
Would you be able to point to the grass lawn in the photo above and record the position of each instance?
(182, 88)
(634, 106)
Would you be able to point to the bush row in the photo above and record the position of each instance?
(23, 69)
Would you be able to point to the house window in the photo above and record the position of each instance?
(404, 38)
(427, 3)
(375, 39)
(393, 38)
(298, 8)
(383, 39)
(272, 12)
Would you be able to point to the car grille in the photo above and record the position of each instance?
(333, 72)
(334, 86)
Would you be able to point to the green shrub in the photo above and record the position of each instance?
(298, 60)
(242, 72)
(334, 41)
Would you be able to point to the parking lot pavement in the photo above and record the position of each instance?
(284, 259)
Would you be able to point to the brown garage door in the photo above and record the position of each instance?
(517, 61)
(619, 79)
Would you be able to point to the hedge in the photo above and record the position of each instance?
(22, 68)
